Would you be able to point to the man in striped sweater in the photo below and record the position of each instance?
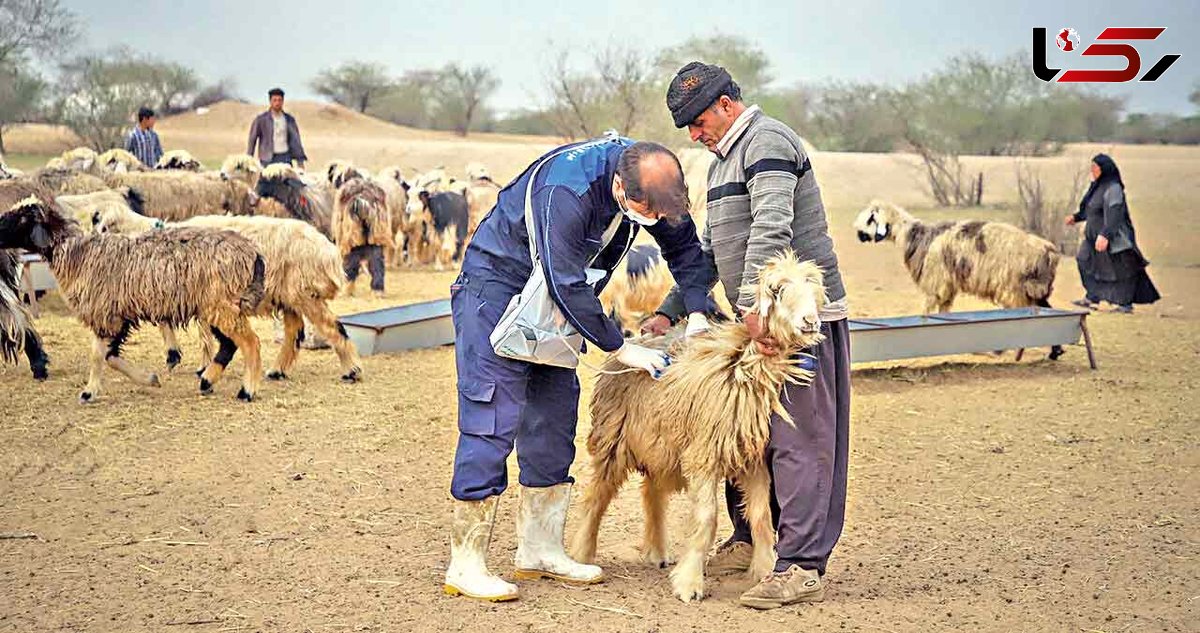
(763, 198)
(143, 140)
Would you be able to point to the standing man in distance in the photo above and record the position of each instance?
(276, 135)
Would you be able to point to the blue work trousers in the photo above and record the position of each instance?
(503, 401)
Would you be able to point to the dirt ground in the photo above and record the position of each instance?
(984, 494)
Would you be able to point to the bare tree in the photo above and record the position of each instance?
(353, 84)
(461, 93)
(626, 74)
(617, 92)
(1043, 216)
(38, 27)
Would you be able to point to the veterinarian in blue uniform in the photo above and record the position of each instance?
(576, 197)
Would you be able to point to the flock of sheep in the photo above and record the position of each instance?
(177, 244)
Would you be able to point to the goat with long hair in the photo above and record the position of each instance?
(707, 419)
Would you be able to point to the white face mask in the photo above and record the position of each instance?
(623, 203)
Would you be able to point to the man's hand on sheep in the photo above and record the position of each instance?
(652, 360)
(766, 345)
(657, 325)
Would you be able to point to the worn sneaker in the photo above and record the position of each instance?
(730, 558)
(1125, 309)
(782, 588)
(1085, 303)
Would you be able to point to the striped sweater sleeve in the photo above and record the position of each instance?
(772, 167)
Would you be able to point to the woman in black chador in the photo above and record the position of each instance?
(1110, 263)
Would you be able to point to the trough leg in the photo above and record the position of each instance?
(1020, 353)
(687, 579)
(1087, 341)
(28, 289)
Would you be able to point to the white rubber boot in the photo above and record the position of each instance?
(470, 535)
(540, 523)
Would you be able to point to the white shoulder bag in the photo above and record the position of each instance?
(533, 329)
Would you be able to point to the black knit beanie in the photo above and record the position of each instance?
(694, 88)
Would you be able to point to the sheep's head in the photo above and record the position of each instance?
(789, 296)
(32, 224)
(875, 223)
(241, 168)
(81, 158)
(477, 171)
(179, 159)
(418, 202)
(119, 161)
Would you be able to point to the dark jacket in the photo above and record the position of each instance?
(572, 206)
(262, 131)
(1107, 214)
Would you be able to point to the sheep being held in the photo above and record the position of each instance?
(706, 420)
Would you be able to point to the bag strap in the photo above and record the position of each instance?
(609, 233)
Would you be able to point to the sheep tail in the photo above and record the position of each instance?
(254, 293)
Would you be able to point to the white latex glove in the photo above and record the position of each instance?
(697, 324)
(652, 360)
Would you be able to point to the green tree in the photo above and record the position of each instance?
(461, 94)
(21, 94)
(100, 93)
(747, 63)
(353, 84)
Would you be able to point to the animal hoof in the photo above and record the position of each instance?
(661, 561)
(154, 381)
(244, 395)
(275, 374)
(85, 397)
(173, 358)
(688, 591)
(355, 375)
(205, 387)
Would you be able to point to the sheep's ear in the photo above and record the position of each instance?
(95, 218)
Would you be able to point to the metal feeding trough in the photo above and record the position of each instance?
(892, 338)
(429, 324)
(412, 326)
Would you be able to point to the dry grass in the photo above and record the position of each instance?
(985, 494)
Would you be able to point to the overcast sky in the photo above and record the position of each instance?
(261, 44)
